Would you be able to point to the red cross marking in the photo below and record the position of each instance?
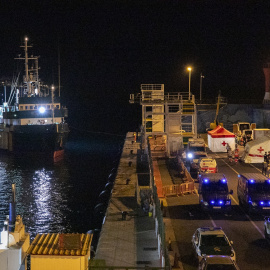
(224, 143)
(260, 149)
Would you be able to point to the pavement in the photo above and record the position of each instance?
(131, 240)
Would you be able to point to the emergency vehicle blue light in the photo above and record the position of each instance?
(212, 202)
(268, 181)
(205, 180)
(261, 203)
(223, 180)
(269, 202)
(220, 202)
(252, 181)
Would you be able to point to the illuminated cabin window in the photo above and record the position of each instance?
(21, 107)
(31, 107)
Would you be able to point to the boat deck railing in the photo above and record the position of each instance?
(149, 97)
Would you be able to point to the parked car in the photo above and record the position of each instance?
(217, 262)
(207, 165)
(253, 192)
(212, 241)
(213, 192)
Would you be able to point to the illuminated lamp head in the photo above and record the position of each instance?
(261, 203)
(268, 181)
(223, 180)
(205, 180)
(252, 181)
(212, 202)
(41, 109)
(190, 155)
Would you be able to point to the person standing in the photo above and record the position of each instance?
(265, 158)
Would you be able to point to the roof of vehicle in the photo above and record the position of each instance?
(211, 230)
(255, 176)
(219, 259)
(207, 160)
(214, 177)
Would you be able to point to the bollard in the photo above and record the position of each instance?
(124, 215)
(170, 244)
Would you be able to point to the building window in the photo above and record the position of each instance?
(21, 107)
(57, 106)
(48, 106)
(31, 107)
(35, 107)
(26, 107)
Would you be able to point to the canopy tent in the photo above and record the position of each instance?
(218, 139)
(254, 150)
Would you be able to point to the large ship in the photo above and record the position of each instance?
(32, 118)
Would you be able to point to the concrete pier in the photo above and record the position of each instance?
(129, 235)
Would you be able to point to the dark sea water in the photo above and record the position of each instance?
(60, 197)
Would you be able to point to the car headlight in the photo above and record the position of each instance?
(190, 155)
(228, 202)
(253, 203)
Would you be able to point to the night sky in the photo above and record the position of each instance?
(108, 48)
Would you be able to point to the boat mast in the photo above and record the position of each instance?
(59, 70)
(26, 65)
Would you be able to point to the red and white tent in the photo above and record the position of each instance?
(254, 150)
(218, 139)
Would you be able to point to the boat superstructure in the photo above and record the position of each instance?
(32, 119)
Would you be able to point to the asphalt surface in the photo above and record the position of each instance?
(245, 230)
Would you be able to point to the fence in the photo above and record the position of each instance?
(155, 182)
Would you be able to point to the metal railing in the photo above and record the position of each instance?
(158, 211)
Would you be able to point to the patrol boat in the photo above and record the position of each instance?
(33, 120)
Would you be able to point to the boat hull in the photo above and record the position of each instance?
(39, 139)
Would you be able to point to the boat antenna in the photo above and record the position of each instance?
(58, 68)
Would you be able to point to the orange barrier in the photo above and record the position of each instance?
(178, 190)
(157, 179)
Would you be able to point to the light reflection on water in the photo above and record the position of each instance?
(57, 197)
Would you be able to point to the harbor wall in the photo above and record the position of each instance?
(234, 113)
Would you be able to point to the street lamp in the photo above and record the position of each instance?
(189, 79)
(201, 77)
(52, 104)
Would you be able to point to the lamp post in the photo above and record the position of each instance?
(52, 104)
(189, 79)
(201, 77)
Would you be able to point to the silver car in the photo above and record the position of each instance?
(212, 241)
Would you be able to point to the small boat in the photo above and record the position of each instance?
(33, 120)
